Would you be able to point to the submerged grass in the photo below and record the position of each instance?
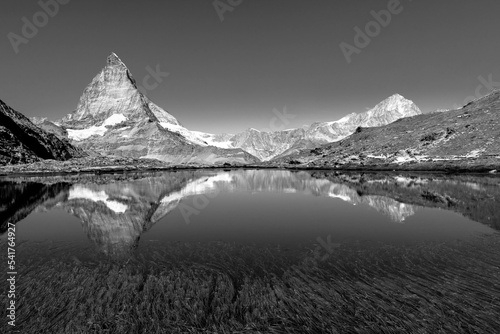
(228, 288)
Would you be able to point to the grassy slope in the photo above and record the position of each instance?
(464, 137)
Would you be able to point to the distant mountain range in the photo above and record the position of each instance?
(115, 119)
(268, 145)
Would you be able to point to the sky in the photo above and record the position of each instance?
(230, 63)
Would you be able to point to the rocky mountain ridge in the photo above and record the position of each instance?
(21, 141)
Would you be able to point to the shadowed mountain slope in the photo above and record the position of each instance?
(21, 141)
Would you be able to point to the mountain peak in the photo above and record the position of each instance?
(397, 97)
(113, 59)
(399, 103)
(112, 92)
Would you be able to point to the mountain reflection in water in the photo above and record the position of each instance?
(115, 210)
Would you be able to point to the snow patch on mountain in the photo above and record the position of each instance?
(192, 136)
(114, 119)
(212, 140)
(81, 134)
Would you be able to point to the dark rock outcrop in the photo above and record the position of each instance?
(22, 142)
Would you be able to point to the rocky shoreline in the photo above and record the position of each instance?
(103, 165)
(486, 165)
(82, 165)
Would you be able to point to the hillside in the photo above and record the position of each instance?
(468, 137)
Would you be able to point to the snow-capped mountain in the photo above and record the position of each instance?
(114, 118)
(267, 145)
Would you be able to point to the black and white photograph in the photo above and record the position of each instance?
(249, 166)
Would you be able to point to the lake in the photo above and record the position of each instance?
(253, 250)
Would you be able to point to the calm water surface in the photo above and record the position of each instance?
(120, 215)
